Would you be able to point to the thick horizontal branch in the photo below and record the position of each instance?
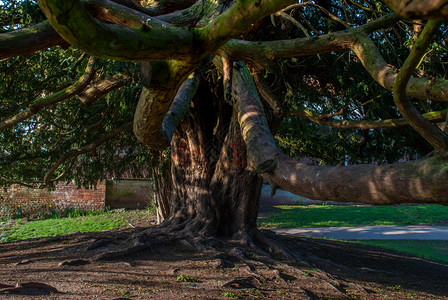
(73, 22)
(42, 36)
(85, 149)
(54, 98)
(262, 54)
(102, 87)
(419, 9)
(411, 182)
(29, 40)
(317, 118)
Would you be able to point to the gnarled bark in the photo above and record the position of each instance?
(212, 192)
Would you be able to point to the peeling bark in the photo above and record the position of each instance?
(212, 192)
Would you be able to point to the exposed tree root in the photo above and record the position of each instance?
(259, 256)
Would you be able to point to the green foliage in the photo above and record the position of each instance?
(323, 83)
(32, 147)
(290, 216)
(19, 13)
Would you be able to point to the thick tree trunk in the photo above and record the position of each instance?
(212, 193)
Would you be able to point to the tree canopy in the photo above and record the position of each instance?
(96, 88)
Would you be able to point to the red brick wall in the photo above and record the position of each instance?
(129, 193)
(36, 202)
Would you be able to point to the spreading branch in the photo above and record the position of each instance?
(102, 87)
(73, 22)
(437, 138)
(54, 98)
(29, 40)
(321, 119)
(262, 54)
(416, 181)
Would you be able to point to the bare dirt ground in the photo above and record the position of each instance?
(64, 268)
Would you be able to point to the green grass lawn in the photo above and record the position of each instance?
(58, 226)
(289, 216)
(281, 217)
(431, 250)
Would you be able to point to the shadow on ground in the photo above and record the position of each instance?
(63, 267)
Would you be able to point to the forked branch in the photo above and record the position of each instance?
(262, 54)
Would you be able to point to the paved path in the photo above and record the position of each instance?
(372, 232)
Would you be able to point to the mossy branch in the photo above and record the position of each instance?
(317, 118)
(260, 55)
(437, 138)
(28, 40)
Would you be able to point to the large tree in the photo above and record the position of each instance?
(216, 83)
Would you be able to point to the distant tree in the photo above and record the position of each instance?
(209, 86)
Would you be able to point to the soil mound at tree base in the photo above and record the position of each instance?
(343, 270)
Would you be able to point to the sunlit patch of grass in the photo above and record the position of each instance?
(289, 216)
(52, 227)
